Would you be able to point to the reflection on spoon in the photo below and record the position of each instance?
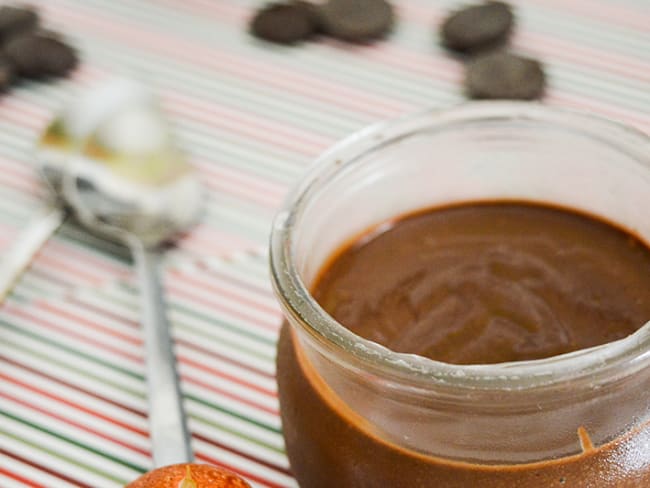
(54, 148)
(129, 183)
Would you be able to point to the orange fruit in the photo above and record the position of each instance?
(189, 476)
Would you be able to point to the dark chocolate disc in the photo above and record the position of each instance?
(16, 21)
(357, 20)
(37, 56)
(478, 27)
(283, 23)
(504, 75)
(313, 10)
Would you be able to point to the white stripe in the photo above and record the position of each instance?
(79, 345)
(239, 426)
(73, 432)
(78, 454)
(221, 400)
(37, 360)
(31, 473)
(240, 463)
(104, 320)
(77, 329)
(77, 397)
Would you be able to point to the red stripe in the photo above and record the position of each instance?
(101, 264)
(608, 13)
(246, 474)
(432, 16)
(20, 478)
(74, 405)
(219, 115)
(137, 359)
(606, 109)
(44, 274)
(72, 386)
(30, 188)
(260, 70)
(27, 113)
(43, 468)
(77, 425)
(216, 10)
(72, 267)
(243, 454)
(182, 292)
(90, 324)
(208, 241)
(17, 167)
(238, 381)
(223, 185)
(222, 291)
(252, 287)
(108, 313)
(255, 182)
(227, 394)
(553, 48)
(212, 353)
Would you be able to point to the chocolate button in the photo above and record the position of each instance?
(283, 23)
(15, 21)
(357, 20)
(313, 12)
(477, 27)
(504, 75)
(37, 56)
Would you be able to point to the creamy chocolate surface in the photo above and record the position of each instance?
(475, 283)
(490, 282)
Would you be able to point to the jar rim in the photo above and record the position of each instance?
(594, 365)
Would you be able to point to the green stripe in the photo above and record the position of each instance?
(182, 326)
(236, 433)
(73, 442)
(25, 288)
(224, 325)
(75, 369)
(209, 319)
(72, 235)
(51, 342)
(129, 304)
(232, 413)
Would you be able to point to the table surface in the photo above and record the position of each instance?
(250, 116)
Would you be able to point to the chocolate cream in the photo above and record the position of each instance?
(490, 283)
(473, 283)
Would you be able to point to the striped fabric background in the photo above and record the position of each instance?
(250, 116)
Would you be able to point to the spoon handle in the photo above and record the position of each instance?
(22, 251)
(169, 434)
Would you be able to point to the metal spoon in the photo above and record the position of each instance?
(129, 183)
(55, 146)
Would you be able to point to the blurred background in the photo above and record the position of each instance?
(250, 116)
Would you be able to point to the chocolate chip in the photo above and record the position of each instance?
(313, 11)
(283, 23)
(16, 21)
(357, 20)
(6, 73)
(504, 75)
(478, 27)
(38, 56)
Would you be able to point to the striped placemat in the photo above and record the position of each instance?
(250, 116)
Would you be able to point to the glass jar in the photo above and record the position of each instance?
(356, 414)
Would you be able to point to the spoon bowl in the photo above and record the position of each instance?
(128, 182)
